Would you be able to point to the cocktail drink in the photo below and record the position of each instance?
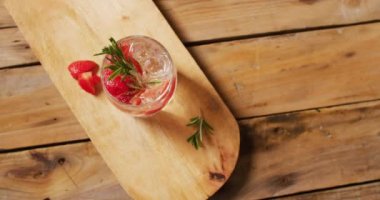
(138, 75)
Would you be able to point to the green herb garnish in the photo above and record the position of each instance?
(119, 64)
(202, 127)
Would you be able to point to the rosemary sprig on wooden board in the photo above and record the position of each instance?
(202, 127)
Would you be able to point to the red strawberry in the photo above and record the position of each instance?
(136, 100)
(78, 67)
(128, 55)
(88, 82)
(125, 48)
(127, 97)
(120, 86)
(136, 65)
(117, 85)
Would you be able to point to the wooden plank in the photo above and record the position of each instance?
(14, 49)
(160, 139)
(32, 112)
(290, 153)
(280, 155)
(369, 191)
(5, 19)
(275, 86)
(211, 19)
(295, 71)
(230, 18)
(64, 172)
(269, 75)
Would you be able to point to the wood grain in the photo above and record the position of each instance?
(290, 153)
(64, 172)
(196, 20)
(295, 71)
(280, 155)
(5, 19)
(192, 19)
(14, 49)
(32, 112)
(363, 192)
(269, 75)
(321, 75)
(160, 139)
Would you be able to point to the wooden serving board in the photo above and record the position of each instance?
(149, 156)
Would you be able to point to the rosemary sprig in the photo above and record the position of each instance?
(120, 65)
(202, 127)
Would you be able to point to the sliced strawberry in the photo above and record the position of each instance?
(125, 48)
(136, 65)
(128, 55)
(117, 85)
(126, 97)
(88, 82)
(95, 79)
(78, 67)
(136, 100)
(120, 86)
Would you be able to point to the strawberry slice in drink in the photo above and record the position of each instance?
(128, 55)
(121, 85)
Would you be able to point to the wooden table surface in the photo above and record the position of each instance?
(301, 76)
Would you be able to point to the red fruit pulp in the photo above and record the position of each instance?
(88, 82)
(119, 87)
(125, 48)
(78, 67)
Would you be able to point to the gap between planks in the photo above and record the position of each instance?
(309, 109)
(192, 19)
(229, 39)
(222, 40)
(32, 64)
(48, 145)
(20, 149)
(275, 33)
(316, 191)
(281, 179)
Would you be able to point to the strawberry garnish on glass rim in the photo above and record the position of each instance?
(123, 74)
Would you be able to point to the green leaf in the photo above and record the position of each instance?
(207, 126)
(201, 130)
(154, 82)
(120, 65)
(115, 73)
(134, 86)
(202, 127)
(193, 122)
(112, 67)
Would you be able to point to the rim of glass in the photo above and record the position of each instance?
(170, 85)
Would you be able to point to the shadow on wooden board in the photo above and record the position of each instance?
(240, 175)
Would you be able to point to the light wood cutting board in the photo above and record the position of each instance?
(149, 156)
